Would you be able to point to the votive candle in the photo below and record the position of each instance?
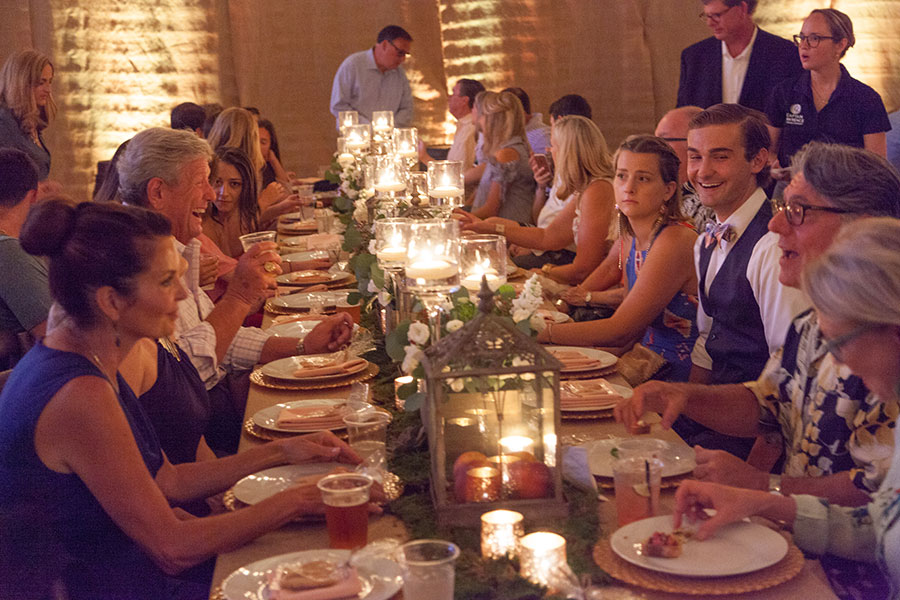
(540, 554)
(501, 531)
(398, 382)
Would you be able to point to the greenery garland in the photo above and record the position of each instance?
(476, 578)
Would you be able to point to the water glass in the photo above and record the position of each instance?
(637, 481)
(428, 569)
(346, 499)
(249, 239)
(367, 434)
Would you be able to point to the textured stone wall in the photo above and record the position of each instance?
(122, 66)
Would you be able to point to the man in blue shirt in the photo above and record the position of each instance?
(374, 80)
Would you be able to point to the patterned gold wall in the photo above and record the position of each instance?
(121, 66)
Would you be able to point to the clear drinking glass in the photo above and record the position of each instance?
(428, 569)
(367, 435)
(482, 256)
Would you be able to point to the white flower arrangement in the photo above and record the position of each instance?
(418, 333)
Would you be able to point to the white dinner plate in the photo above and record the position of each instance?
(303, 256)
(301, 300)
(284, 368)
(327, 277)
(298, 226)
(259, 486)
(298, 329)
(737, 548)
(552, 315)
(622, 390)
(381, 578)
(677, 459)
(267, 418)
(606, 359)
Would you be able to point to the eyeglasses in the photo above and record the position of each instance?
(402, 53)
(835, 345)
(812, 39)
(714, 17)
(795, 212)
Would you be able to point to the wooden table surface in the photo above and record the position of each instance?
(810, 583)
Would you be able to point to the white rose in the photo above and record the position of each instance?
(457, 385)
(371, 246)
(418, 333)
(411, 360)
(537, 322)
(520, 315)
(454, 325)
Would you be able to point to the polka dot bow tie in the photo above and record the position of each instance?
(718, 233)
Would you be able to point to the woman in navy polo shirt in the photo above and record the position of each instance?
(825, 103)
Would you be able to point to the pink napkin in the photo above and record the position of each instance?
(311, 417)
(573, 360)
(588, 394)
(337, 368)
(349, 587)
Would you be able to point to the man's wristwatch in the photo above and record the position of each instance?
(775, 484)
(301, 347)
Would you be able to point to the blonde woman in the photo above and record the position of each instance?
(654, 254)
(584, 171)
(855, 289)
(506, 188)
(26, 106)
(237, 128)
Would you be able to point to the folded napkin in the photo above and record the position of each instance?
(348, 587)
(335, 368)
(587, 394)
(311, 417)
(573, 360)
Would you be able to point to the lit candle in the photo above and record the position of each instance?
(345, 159)
(482, 484)
(500, 533)
(431, 270)
(472, 282)
(398, 382)
(540, 554)
(516, 443)
(355, 141)
(381, 124)
(406, 151)
(390, 185)
(392, 254)
(445, 191)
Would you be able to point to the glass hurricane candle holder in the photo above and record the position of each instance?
(346, 118)
(446, 184)
(382, 125)
(501, 531)
(345, 157)
(367, 176)
(482, 256)
(432, 267)
(390, 181)
(540, 555)
(357, 139)
(406, 143)
(391, 240)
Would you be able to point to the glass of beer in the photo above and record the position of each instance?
(346, 499)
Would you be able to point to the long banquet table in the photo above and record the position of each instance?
(810, 582)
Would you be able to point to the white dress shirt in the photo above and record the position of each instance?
(198, 338)
(778, 304)
(463, 147)
(734, 69)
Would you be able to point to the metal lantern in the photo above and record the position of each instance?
(492, 418)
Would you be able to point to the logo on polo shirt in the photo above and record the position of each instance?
(793, 117)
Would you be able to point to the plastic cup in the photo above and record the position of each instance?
(428, 569)
(247, 240)
(637, 481)
(367, 434)
(346, 499)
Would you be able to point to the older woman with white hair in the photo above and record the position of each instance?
(855, 288)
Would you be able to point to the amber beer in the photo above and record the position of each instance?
(346, 498)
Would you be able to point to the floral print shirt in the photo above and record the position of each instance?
(827, 418)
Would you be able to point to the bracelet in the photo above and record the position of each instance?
(500, 228)
(301, 347)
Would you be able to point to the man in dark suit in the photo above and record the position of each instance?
(739, 64)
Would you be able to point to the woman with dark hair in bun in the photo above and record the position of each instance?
(85, 490)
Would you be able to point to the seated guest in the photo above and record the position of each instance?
(507, 187)
(24, 296)
(168, 170)
(584, 170)
(234, 212)
(212, 113)
(536, 131)
(268, 145)
(188, 115)
(74, 437)
(855, 288)
(546, 203)
(237, 128)
(460, 104)
(109, 189)
(673, 127)
(824, 103)
(835, 434)
(654, 253)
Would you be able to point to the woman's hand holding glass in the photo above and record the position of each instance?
(317, 447)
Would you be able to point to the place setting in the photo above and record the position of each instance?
(322, 302)
(583, 363)
(310, 277)
(311, 372)
(676, 460)
(590, 398)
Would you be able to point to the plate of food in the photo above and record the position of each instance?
(585, 395)
(576, 359)
(737, 548)
(303, 416)
(312, 277)
(312, 367)
(259, 486)
(677, 459)
(364, 578)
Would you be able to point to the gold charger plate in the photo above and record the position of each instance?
(586, 415)
(261, 380)
(784, 570)
(588, 374)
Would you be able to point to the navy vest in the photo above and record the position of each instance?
(737, 339)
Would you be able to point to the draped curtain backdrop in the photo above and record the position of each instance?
(121, 66)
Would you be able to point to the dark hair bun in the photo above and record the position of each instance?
(48, 227)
